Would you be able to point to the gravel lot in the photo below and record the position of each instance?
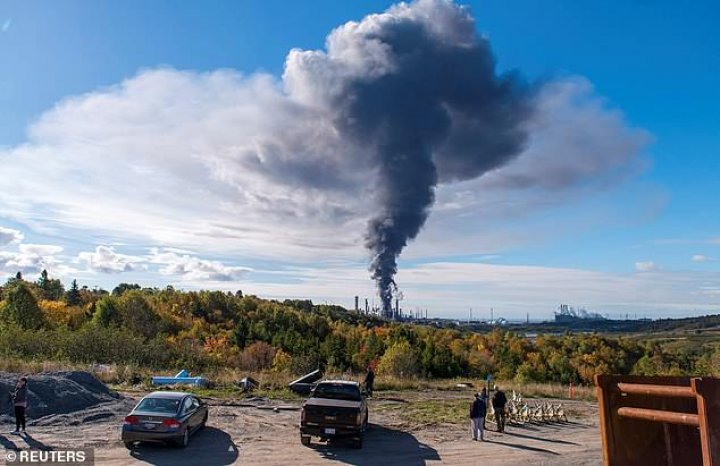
(244, 433)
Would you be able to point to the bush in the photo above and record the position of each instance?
(399, 360)
(257, 356)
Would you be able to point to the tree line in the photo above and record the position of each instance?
(167, 328)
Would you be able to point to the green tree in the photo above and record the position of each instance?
(72, 297)
(123, 287)
(43, 278)
(106, 312)
(21, 308)
(399, 360)
(137, 315)
(50, 288)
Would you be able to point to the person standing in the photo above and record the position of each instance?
(499, 400)
(484, 398)
(19, 398)
(369, 380)
(478, 410)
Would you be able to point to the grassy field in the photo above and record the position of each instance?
(275, 385)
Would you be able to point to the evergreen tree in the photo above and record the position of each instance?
(52, 289)
(72, 297)
(42, 281)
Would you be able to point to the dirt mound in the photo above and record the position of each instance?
(57, 393)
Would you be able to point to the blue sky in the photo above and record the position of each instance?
(645, 240)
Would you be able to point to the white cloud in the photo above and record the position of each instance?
(575, 138)
(646, 266)
(33, 258)
(6, 25)
(191, 269)
(185, 145)
(701, 258)
(178, 144)
(713, 291)
(104, 259)
(40, 249)
(8, 236)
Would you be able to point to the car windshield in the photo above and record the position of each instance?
(159, 405)
(337, 391)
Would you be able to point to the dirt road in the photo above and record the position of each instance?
(248, 435)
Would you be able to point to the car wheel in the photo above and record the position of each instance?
(367, 421)
(183, 441)
(204, 421)
(358, 442)
(305, 440)
(129, 445)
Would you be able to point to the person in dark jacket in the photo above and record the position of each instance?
(484, 398)
(478, 410)
(499, 400)
(369, 380)
(19, 399)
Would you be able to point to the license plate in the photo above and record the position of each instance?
(330, 418)
(149, 426)
(330, 431)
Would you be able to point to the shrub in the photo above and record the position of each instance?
(399, 360)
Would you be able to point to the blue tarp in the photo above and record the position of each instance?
(181, 378)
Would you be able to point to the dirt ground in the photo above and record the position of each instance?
(239, 432)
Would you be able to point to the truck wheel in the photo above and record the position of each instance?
(305, 440)
(129, 445)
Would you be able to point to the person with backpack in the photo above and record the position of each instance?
(499, 400)
(19, 401)
(478, 410)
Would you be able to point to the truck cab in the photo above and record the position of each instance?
(335, 409)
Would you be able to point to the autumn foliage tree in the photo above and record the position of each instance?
(20, 307)
(168, 328)
(399, 360)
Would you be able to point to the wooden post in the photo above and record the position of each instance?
(605, 424)
(708, 401)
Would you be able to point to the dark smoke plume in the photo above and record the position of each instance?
(416, 88)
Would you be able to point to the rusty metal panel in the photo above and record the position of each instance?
(708, 400)
(656, 390)
(659, 416)
(631, 442)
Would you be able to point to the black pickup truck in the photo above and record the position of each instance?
(336, 408)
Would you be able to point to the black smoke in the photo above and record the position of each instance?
(441, 112)
(415, 95)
